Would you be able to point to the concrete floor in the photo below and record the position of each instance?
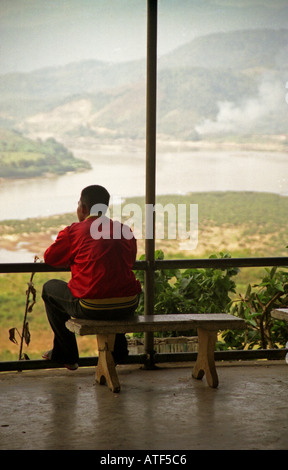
(163, 409)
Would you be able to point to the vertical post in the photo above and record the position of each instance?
(151, 98)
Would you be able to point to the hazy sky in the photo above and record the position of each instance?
(40, 33)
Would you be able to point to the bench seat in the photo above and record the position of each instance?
(280, 314)
(207, 326)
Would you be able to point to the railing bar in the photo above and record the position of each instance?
(221, 263)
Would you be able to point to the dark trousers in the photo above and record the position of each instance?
(60, 306)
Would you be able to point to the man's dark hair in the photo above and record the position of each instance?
(94, 194)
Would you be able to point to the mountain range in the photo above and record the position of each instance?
(227, 84)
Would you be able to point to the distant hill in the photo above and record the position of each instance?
(21, 157)
(237, 50)
(41, 90)
(220, 84)
(192, 103)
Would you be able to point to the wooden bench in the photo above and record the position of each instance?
(280, 314)
(207, 326)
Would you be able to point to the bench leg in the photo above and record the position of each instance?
(205, 363)
(105, 369)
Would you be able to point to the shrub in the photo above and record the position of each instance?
(256, 306)
(209, 291)
(190, 291)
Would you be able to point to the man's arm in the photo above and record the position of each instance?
(59, 253)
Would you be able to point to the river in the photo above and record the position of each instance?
(124, 176)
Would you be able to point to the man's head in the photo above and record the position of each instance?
(90, 196)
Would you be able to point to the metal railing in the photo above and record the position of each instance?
(214, 263)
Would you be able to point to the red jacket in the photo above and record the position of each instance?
(101, 268)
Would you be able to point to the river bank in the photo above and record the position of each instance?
(258, 143)
(242, 223)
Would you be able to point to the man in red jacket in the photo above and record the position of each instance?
(101, 254)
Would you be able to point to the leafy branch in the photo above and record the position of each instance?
(25, 335)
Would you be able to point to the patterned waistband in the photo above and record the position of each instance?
(109, 304)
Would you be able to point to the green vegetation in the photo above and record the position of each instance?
(214, 291)
(13, 289)
(190, 290)
(21, 157)
(255, 308)
(243, 223)
(39, 225)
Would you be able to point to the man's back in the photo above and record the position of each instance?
(101, 257)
